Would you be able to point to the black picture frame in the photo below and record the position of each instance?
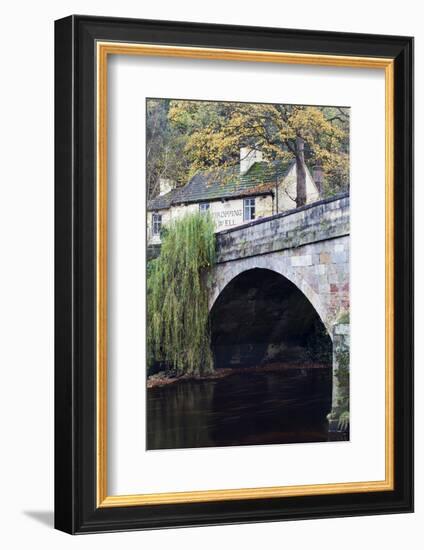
(76, 509)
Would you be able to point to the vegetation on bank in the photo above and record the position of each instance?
(178, 332)
(342, 375)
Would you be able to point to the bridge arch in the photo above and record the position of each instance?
(261, 317)
(224, 273)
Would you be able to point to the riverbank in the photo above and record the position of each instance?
(163, 379)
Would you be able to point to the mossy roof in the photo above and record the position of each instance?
(260, 179)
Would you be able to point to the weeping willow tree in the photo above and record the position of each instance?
(178, 333)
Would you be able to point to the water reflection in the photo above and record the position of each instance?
(242, 409)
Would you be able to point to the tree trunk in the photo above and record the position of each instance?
(301, 173)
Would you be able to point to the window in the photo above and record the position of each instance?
(203, 207)
(249, 209)
(156, 223)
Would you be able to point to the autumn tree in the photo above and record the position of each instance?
(165, 146)
(215, 132)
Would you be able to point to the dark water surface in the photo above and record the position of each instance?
(288, 406)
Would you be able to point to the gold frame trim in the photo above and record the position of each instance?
(104, 49)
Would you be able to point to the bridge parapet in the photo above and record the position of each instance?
(320, 221)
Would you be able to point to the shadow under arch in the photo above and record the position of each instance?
(225, 273)
(262, 317)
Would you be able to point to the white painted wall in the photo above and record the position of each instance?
(226, 214)
(26, 289)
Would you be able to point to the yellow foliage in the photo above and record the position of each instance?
(217, 130)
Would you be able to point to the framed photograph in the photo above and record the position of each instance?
(233, 271)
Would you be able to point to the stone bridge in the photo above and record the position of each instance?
(309, 247)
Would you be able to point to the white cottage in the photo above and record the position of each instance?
(253, 189)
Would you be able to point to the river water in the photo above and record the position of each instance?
(249, 408)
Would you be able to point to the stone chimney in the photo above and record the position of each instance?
(165, 186)
(318, 176)
(248, 157)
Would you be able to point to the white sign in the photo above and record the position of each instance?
(227, 218)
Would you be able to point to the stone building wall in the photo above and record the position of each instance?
(287, 190)
(225, 213)
(228, 213)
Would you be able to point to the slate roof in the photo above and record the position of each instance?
(162, 202)
(224, 184)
